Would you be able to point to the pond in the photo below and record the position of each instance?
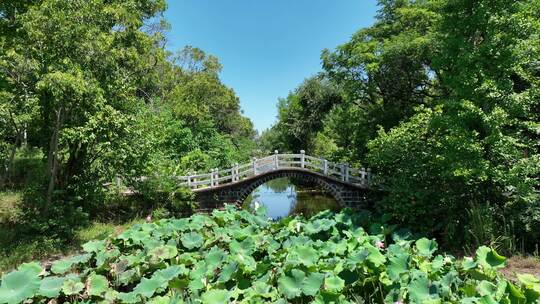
(283, 197)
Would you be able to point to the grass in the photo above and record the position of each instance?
(521, 264)
(9, 202)
(16, 248)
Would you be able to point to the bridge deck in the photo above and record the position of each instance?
(258, 167)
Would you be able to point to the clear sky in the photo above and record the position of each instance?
(266, 47)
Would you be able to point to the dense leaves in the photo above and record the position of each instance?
(440, 99)
(203, 259)
(91, 86)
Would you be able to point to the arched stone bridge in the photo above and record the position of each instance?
(349, 186)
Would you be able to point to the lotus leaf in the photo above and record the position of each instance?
(312, 283)
(129, 297)
(216, 296)
(306, 255)
(71, 287)
(50, 287)
(489, 258)
(165, 252)
(192, 240)
(97, 285)
(397, 265)
(375, 256)
(426, 247)
(334, 283)
(19, 285)
(147, 287)
(291, 286)
(94, 246)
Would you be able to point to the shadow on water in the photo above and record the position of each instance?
(283, 197)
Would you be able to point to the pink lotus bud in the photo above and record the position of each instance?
(398, 302)
(379, 245)
(148, 218)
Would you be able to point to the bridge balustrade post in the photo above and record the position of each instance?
(368, 179)
(254, 164)
(325, 167)
(302, 158)
(363, 176)
(194, 180)
(236, 176)
(342, 172)
(189, 180)
(216, 179)
(276, 159)
(212, 178)
(346, 172)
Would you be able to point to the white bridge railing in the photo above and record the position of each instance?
(342, 172)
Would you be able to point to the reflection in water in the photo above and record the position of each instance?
(282, 198)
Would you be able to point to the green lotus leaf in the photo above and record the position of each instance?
(397, 265)
(126, 277)
(316, 226)
(419, 288)
(375, 256)
(165, 252)
(489, 258)
(171, 272)
(515, 294)
(32, 268)
(110, 296)
(215, 257)
(96, 285)
(312, 283)
(468, 264)
(62, 266)
(104, 256)
(94, 246)
(291, 286)
(334, 283)
(192, 240)
(19, 285)
(180, 224)
(50, 287)
(247, 261)
(487, 299)
(426, 247)
(306, 255)
(72, 287)
(129, 297)
(531, 282)
(247, 246)
(216, 296)
(159, 300)
(147, 287)
(485, 288)
(262, 289)
(357, 257)
(227, 271)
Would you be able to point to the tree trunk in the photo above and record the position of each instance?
(52, 158)
(9, 166)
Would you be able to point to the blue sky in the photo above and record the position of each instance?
(266, 47)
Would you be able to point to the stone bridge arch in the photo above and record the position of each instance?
(346, 194)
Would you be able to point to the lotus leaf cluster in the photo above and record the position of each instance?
(243, 256)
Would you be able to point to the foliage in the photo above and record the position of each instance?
(91, 88)
(440, 99)
(243, 257)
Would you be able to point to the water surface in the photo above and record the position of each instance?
(283, 197)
